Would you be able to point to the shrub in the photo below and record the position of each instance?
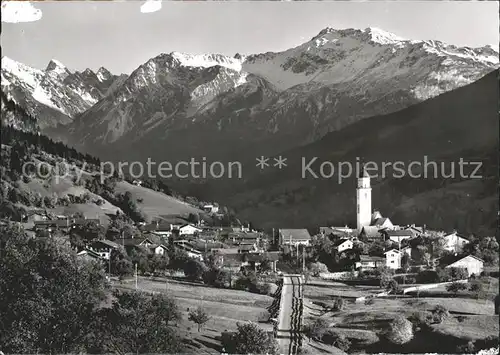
(317, 268)
(247, 283)
(249, 339)
(264, 316)
(342, 343)
(199, 317)
(461, 319)
(427, 276)
(194, 269)
(421, 319)
(264, 288)
(401, 331)
(338, 340)
(439, 314)
(392, 286)
(456, 287)
(316, 329)
(468, 348)
(369, 301)
(410, 280)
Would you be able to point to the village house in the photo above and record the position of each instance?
(88, 254)
(329, 231)
(235, 262)
(393, 257)
(417, 231)
(52, 225)
(189, 249)
(398, 236)
(189, 229)
(294, 237)
(369, 262)
(383, 223)
(454, 242)
(103, 248)
(371, 233)
(144, 243)
(211, 209)
(34, 215)
(472, 264)
(343, 245)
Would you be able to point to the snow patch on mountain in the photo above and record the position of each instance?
(40, 95)
(224, 81)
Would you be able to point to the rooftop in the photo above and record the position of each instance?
(295, 234)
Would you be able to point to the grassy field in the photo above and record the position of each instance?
(225, 307)
(471, 328)
(364, 324)
(154, 203)
(489, 284)
(64, 186)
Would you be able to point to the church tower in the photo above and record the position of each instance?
(364, 200)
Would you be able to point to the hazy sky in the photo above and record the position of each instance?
(118, 36)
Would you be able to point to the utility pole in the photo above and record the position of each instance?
(136, 276)
(303, 259)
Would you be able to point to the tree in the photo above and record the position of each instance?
(217, 277)
(456, 287)
(49, 296)
(477, 289)
(317, 268)
(421, 320)
(392, 286)
(316, 329)
(405, 262)
(439, 314)
(158, 263)
(140, 323)
(120, 263)
(250, 339)
(199, 317)
(139, 257)
(401, 331)
(342, 343)
(194, 269)
(386, 275)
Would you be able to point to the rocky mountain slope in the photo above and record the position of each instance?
(461, 124)
(191, 105)
(54, 95)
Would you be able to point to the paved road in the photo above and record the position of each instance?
(290, 316)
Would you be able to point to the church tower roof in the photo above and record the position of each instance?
(363, 173)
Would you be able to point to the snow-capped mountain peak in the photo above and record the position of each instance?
(103, 74)
(53, 95)
(56, 69)
(383, 37)
(55, 65)
(207, 60)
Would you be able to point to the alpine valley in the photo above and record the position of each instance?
(343, 94)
